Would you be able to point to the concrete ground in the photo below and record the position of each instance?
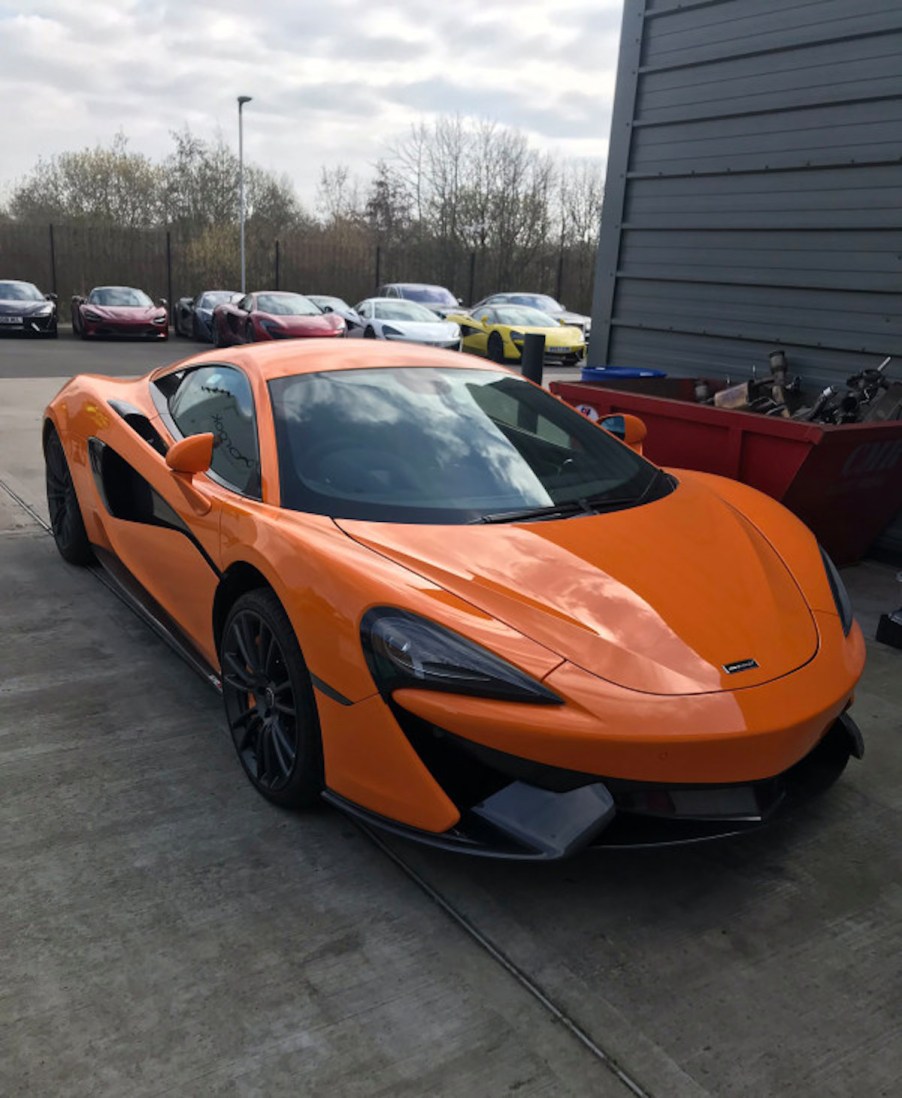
(163, 930)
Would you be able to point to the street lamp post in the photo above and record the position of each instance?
(242, 99)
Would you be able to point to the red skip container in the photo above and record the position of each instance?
(844, 482)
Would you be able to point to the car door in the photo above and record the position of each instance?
(474, 331)
(166, 531)
(236, 317)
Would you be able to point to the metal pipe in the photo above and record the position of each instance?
(242, 99)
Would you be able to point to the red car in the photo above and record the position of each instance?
(270, 314)
(119, 311)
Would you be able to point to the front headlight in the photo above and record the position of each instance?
(45, 310)
(391, 333)
(517, 337)
(89, 314)
(159, 320)
(840, 594)
(403, 649)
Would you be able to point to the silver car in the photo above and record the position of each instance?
(392, 318)
(544, 303)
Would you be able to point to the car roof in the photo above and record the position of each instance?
(116, 288)
(309, 356)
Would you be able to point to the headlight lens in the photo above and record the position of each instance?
(517, 337)
(389, 332)
(403, 649)
(89, 314)
(840, 594)
(45, 310)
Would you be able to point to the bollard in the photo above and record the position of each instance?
(533, 358)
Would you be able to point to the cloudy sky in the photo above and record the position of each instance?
(332, 82)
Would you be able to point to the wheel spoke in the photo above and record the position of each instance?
(251, 732)
(245, 680)
(245, 644)
(282, 748)
(280, 687)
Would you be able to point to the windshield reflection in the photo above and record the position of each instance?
(437, 445)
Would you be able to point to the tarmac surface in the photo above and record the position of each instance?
(163, 930)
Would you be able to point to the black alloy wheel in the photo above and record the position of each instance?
(269, 702)
(66, 522)
(496, 347)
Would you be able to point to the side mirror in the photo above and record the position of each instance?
(191, 455)
(162, 301)
(328, 309)
(484, 319)
(460, 301)
(51, 297)
(629, 429)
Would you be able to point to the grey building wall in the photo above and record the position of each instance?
(754, 189)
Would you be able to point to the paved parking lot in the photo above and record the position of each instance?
(164, 930)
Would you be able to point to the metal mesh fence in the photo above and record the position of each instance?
(70, 259)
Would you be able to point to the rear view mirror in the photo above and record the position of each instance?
(629, 429)
(191, 455)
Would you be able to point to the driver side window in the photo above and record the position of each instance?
(218, 399)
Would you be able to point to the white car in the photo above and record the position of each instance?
(392, 318)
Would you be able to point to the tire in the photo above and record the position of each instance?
(269, 702)
(496, 348)
(369, 333)
(66, 522)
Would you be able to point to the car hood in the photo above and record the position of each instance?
(21, 308)
(424, 329)
(579, 319)
(319, 322)
(126, 312)
(658, 598)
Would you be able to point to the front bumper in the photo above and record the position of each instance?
(532, 812)
(28, 325)
(107, 329)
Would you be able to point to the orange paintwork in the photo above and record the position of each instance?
(628, 616)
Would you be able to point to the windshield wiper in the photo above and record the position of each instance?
(588, 505)
(555, 510)
(604, 503)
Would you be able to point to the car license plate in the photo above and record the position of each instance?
(557, 350)
(10, 320)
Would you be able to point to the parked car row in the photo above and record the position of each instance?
(495, 327)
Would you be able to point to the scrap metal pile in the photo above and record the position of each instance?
(869, 396)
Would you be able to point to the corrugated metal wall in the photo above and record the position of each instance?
(754, 188)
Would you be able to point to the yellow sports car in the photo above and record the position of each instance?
(497, 332)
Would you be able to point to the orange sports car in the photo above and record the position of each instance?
(446, 602)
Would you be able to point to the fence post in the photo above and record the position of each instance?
(169, 272)
(52, 260)
(378, 265)
(472, 286)
(277, 264)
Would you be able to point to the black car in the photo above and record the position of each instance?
(193, 316)
(24, 309)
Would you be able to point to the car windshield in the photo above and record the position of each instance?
(286, 305)
(443, 445)
(331, 302)
(20, 291)
(542, 302)
(527, 318)
(403, 310)
(212, 298)
(119, 295)
(428, 295)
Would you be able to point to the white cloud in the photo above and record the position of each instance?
(330, 83)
